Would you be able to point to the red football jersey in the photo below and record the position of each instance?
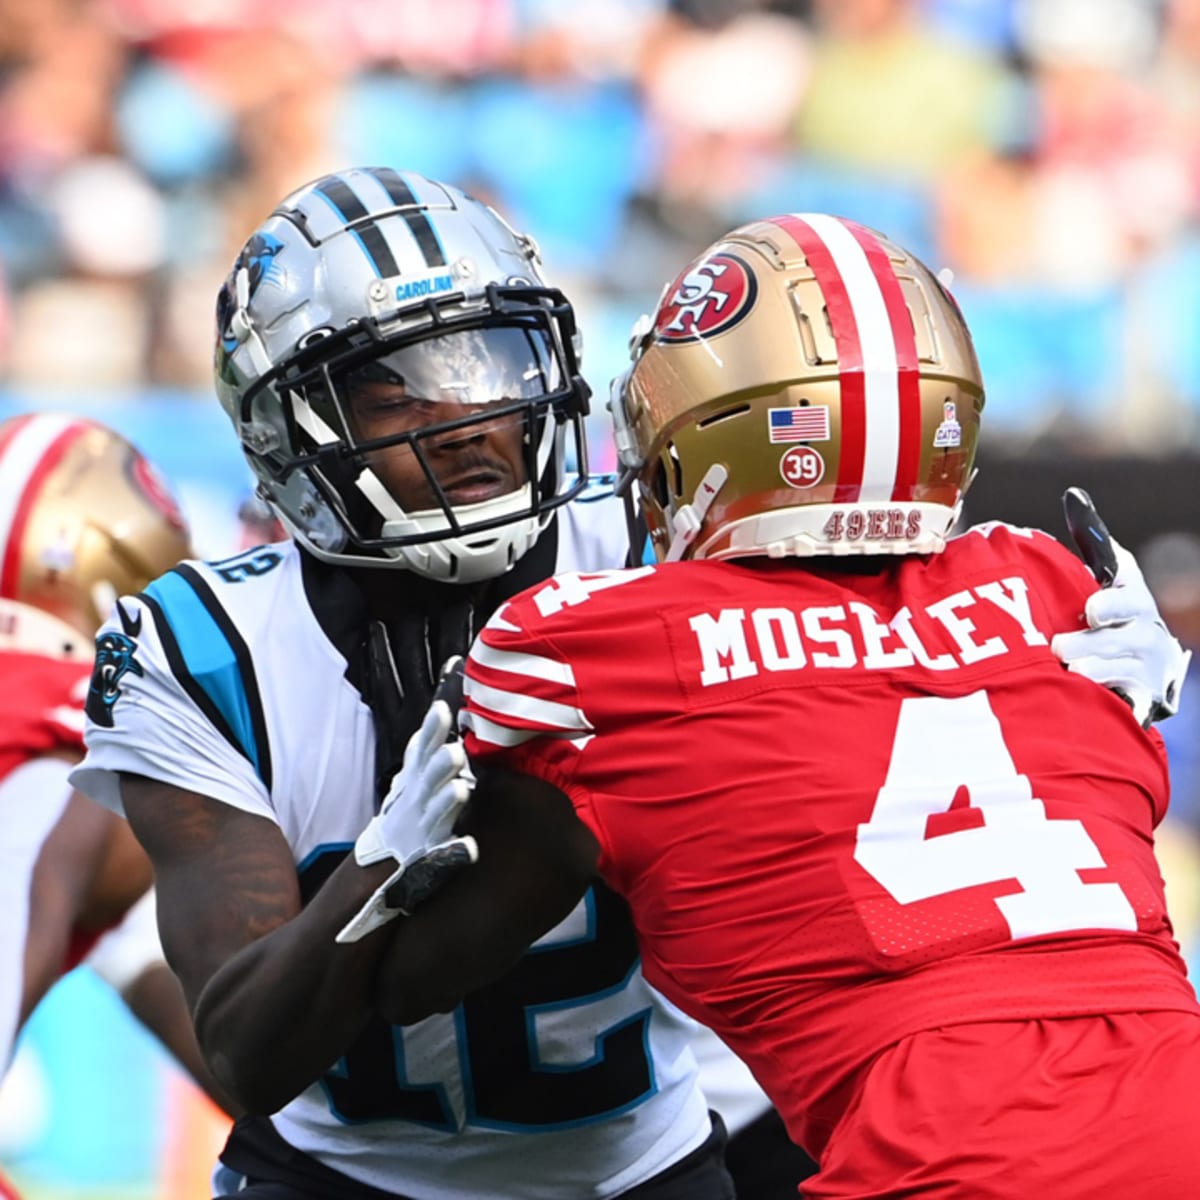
(41, 707)
(41, 713)
(846, 807)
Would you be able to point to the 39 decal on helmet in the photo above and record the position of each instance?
(805, 387)
(84, 518)
(402, 379)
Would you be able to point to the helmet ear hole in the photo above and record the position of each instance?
(676, 471)
(667, 485)
(658, 486)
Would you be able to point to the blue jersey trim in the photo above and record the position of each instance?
(617, 1076)
(211, 661)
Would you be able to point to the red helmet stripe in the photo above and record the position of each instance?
(908, 459)
(877, 356)
(849, 351)
(28, 453)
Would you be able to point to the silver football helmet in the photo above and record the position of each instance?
(373, 277)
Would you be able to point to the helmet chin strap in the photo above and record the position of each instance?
(688, 519)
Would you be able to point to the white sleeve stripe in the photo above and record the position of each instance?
(498, 620)
(526, 709)
(535, 666)
(491, 734)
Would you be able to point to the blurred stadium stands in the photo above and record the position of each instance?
(1051, 162)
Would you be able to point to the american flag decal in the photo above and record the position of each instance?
(810, 424)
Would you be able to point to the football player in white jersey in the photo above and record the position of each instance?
(82, 516)
(406, 389)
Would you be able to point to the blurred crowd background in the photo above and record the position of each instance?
(1045, 152)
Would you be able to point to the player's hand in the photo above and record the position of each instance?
(1126, 646)
(415, 824)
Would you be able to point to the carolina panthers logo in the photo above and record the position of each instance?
(114, 659)
(258, 258)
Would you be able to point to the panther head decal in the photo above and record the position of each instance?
(114, 659)
(257, 259)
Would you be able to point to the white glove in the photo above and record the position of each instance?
(415, 825)
(1127, 647)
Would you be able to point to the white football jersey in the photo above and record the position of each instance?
(568, 1077)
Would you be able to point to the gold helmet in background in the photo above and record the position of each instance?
(804, 387)
(84, 518)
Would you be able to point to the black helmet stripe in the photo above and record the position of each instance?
(402, 196)
(352, 210)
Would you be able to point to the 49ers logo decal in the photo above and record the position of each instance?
(711, 296)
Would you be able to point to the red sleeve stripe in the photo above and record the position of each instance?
(486, 732)
(536, 666)
(491, 733)
(519, 709)
(499, 620)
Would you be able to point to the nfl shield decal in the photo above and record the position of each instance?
(711, 296)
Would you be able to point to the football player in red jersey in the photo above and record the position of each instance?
(870, 830)
(83, 518)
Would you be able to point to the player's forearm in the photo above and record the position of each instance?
(430, 965)
(536, 862)
(285, 1008)
(273, 997)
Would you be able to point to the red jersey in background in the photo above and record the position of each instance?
(844, 807)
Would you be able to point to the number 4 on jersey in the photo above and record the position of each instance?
(573, 587)
(941, 745)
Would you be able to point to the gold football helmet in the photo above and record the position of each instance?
(84, 518)
(804, 387)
